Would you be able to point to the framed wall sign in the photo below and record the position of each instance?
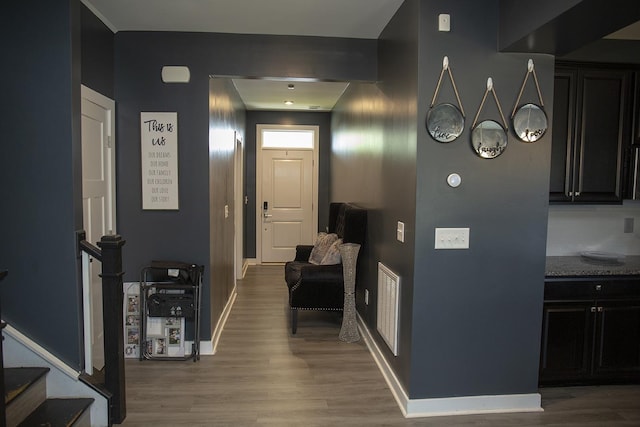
(159, 148)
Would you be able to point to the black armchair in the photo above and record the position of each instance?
(321, 287)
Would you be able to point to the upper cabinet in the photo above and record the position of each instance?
(591, 132)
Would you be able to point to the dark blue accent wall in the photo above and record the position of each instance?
(477, 312)
(96, 53)
(323, 120)
(40, 166)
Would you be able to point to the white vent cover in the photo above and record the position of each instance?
(388, 306)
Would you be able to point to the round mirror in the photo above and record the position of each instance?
(445, 122)
(489, 139)
(530, 123)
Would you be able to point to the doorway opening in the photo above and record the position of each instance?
(98, 211)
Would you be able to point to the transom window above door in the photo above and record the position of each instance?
(288, 139)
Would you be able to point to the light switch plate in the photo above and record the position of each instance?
(452, 238)
(400, 232)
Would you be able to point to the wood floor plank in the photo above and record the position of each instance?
(264, 376)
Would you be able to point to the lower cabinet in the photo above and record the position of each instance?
(617, 340)
(594, 341)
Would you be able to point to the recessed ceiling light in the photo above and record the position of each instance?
(288, 102)
(291, 86)
(314, 107)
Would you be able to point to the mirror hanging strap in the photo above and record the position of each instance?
(491, 89)
(445, 66)
(530, 70)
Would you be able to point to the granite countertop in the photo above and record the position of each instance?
(561, 266)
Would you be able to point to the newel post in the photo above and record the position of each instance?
(112, 303)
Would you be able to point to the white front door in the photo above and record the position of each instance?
(98, 196)
(287, 198)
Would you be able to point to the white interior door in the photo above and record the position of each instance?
(287, 190)
(98, 196)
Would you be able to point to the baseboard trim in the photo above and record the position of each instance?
(245, 267)
(435, 407)
(37, 349)
(222, 321)
(209, 347)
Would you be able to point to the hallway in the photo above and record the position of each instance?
(263, 376)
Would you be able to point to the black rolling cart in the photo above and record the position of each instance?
(170, 296)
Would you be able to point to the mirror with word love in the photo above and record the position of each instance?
(445, 122)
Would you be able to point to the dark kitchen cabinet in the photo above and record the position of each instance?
(591, 130)
(617, 339)
(590, 333)
(566, 342)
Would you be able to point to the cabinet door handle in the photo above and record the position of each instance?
(570, 193)
(598, 287)
(577, 193)
(593, 309)
(599, 309)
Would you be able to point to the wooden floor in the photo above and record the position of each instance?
(263, 376)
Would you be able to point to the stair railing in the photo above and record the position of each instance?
(109, 253)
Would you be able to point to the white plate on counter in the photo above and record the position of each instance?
(603, 257)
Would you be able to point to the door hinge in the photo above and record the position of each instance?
(109, 141)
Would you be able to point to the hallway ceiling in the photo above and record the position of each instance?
(271, 94)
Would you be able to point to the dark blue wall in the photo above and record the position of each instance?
(96, 53)
(40, 168)
(323, 120)
(477, 312)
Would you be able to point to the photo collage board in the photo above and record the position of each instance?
(164, 335)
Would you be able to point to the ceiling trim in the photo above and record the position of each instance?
(100, 16)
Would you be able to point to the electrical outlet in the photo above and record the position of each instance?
(452, 238)
(628, 225)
